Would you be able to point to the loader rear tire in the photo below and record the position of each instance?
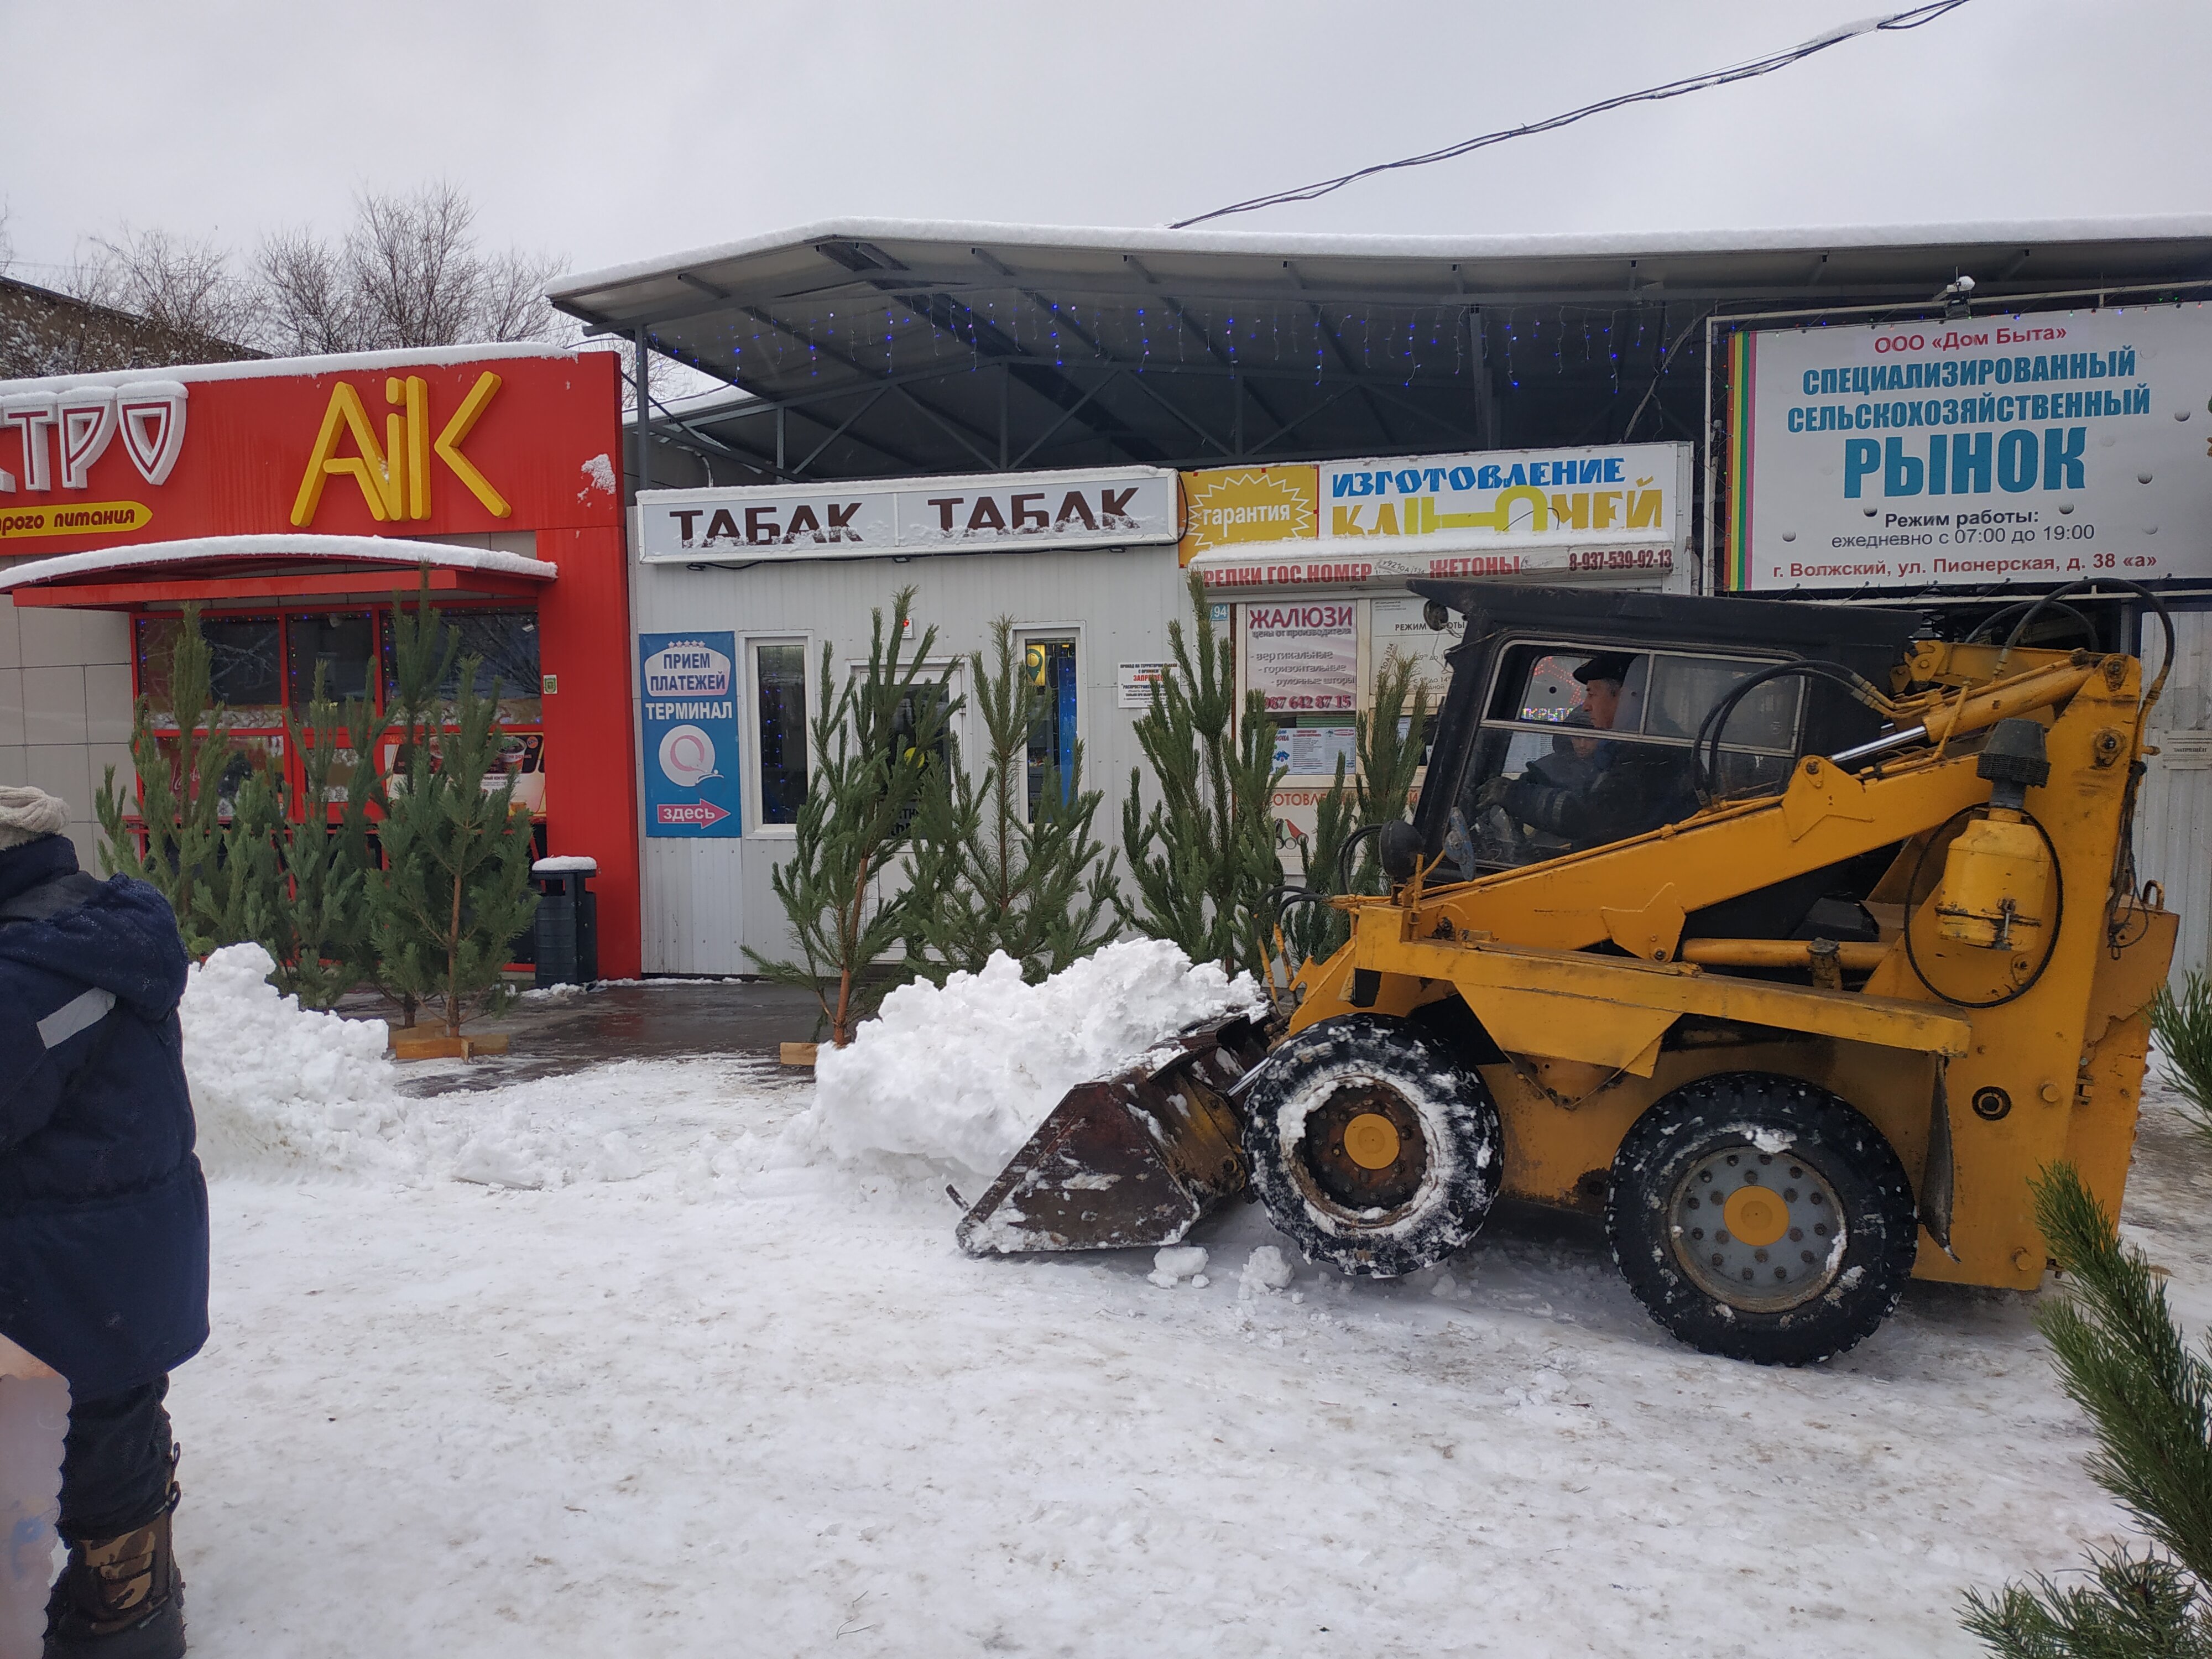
(1824, 1234)
(1374, 1148)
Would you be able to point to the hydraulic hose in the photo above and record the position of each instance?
(1714, 724)
(1991, 624)
(2057, 916)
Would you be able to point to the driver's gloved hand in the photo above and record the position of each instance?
(1492, 793)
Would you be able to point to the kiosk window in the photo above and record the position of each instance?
(780, 693)
(341, 644)
(505, 645)
(245, 664)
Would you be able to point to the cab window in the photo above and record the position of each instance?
(1581, 744)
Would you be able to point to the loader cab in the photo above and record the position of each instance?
(1572, 717)
(1580, 744)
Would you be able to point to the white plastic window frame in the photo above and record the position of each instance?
(749, 741)
(956, 687)
(1085, 693)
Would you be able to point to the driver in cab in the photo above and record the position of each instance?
(1590, 790)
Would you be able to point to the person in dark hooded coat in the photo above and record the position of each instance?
(103, 1214)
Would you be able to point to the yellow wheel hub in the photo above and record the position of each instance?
(1756, 1215)
(1370, 1140)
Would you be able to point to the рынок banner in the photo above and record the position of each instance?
(2036, 449)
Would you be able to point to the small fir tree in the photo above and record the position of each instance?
(322, 937)
(1203, 857)
(1313, 931)
(2123, 1359)
(241, 897)
(988, 872)
(875, 741)
(423, 652)
(2184, 1025)
(1389, 743)
(178, 790)
(455, 891)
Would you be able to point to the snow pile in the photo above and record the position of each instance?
(276, 1086)
(1176, 1263)
(1267, 1270)
(961, 1075)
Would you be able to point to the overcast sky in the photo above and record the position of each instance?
(605, 133)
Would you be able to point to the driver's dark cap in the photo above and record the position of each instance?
(1606, 666)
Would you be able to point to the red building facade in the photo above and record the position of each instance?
(295, 503)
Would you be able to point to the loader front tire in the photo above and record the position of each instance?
(1760, 1217)
(1374, 1148)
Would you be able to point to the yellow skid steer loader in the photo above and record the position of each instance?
(1791, 939)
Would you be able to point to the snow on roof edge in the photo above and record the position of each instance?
(1316, 245)
(257, 369)
(392, 549)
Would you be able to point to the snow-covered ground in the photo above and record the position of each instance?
(698, 1390)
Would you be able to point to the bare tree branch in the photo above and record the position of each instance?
(180, 283)
(408, 273)
(307, 307)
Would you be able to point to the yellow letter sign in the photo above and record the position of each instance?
(395, 478)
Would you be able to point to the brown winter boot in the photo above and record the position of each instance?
(120, 1597)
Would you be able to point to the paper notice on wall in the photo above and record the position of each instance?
(1311, 752)
(1133, 683)
(1302, 658)
(1397, 628)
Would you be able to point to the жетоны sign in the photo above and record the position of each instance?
(2034, 449)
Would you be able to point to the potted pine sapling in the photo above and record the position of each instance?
(1388, 741)
(455, 890)
(1203, 858)
(180, 753)
(321, 938)
(992, 870)
(2184, 1025)
(2123, 1358)
(876, 740)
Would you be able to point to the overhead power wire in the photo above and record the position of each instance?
(1895, 22)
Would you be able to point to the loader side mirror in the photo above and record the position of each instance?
(1398, 849)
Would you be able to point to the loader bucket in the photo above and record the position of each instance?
(1134, 1159)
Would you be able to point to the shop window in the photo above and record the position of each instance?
(1581, 745)
(504, 645)
(245, 667)
(1050, 665)
(341, 644)
(780, 695)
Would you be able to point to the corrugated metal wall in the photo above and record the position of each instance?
(705, 899)
(2173, 825)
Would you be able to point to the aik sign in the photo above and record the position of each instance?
(497, 439)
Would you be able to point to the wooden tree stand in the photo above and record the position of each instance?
(431, 1042)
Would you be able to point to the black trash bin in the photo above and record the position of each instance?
(568, 926)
